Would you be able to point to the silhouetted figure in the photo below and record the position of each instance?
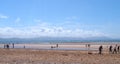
(13, 45)
(100, 49)
(118, 49)
(110, 49)
(115, 50)
(88, 45)
(24, 46)
(7, 46)
(51, 46)
(57, 45)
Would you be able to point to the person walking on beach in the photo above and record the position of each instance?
(100, 49)
(115, 50)
(110, 49)
(118, 49)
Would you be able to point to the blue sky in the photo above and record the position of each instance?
(59, 18)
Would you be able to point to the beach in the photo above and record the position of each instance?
(29, 56)
(59, 32)
(61, 46)
(63, 54)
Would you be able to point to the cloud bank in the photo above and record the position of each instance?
(40, 31)
(43, 29)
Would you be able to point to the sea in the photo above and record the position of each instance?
(54, 40)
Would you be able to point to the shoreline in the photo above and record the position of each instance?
(65, 46)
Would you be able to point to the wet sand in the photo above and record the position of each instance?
(30, 56)
(66, 46)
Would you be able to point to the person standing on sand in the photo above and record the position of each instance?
(57, 45)
(118, 49)
(115, 50)
(13, 45)
(110, 49)
(24, 46)
(7, 46)
(100, 49)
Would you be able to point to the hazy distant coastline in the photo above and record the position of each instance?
(58, 40)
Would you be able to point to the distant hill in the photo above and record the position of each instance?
(57, 40)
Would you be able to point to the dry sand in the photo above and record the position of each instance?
(29, 56)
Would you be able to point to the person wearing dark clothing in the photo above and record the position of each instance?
(24, 46)
(100, 49)
(115, 50)
(110, 49)
(118, 49)
(7, 46)
(88, 45)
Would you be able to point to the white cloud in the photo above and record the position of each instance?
(44, 29)
(3, 17)
(38, 31)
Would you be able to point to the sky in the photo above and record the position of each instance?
(59, 18)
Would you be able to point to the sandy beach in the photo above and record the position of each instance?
(59, 31)
(30, 56)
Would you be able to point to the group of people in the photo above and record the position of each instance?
(8, 45)
(112, 50)
(55, 46)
